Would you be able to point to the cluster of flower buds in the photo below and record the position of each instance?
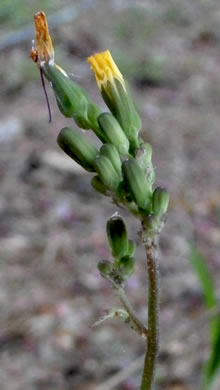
(123, 165)
(122, 250)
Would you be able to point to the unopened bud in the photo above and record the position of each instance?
(111, 152)
(136, 181)
(113, 132)
(107, 173)
(105, 267)
(78, 148)
(72, 100)
(117, 236)
(160, 201)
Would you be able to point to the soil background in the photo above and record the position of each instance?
(52, 223)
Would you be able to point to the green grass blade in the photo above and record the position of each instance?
(199, 265)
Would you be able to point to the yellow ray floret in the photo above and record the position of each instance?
(43, 51)
(105, 69)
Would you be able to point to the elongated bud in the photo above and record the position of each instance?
(117, 236)
(78, 148)
(105, 267)
(137, 183)
(116, 95)
(113, 132)
(99, 186)
(111, 152)
(160, 201)
(72, 100)
(107, 173)
(126, 266)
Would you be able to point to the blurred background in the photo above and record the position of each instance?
(52, 225)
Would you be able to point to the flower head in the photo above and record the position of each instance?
(105, 70)
(42, 50)
(116, 95)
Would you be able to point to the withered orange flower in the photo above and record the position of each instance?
(42, 51)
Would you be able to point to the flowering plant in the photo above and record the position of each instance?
(123, 171)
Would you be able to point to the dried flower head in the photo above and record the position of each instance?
(42, 50)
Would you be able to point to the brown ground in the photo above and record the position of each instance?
(52, 226)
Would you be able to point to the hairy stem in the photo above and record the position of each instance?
(153, 316)
(137, 323)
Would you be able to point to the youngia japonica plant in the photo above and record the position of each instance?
(121, 170)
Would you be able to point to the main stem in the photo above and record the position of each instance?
(153, 316)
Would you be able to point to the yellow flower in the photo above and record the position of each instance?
(42, 51)
(105, 70)
(116, 95)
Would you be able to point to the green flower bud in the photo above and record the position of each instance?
(136, 181)
(113, 132)
(72, 100)
(111, 152)
(160, 201)
(126, 266)
(78, 148)
(131, 248)
(117, 236)
(105, 267)
(106, 172)
(98, 185)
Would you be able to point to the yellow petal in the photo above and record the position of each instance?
(105, 69)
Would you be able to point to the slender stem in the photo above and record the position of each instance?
(139, 327)
(153, 316)
(137, 323)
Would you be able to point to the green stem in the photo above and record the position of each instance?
(119, 290)
(137, 323)
(153, 316)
